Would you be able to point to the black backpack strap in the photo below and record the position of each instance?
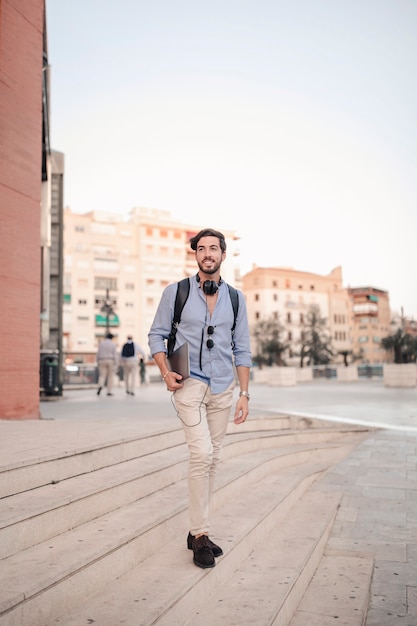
(183, 290)
(234, 297)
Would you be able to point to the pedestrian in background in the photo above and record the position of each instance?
(142, 369)
(130, 354)
(107, 361)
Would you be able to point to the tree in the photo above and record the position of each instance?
(270, 347)
(315, 340)
(403, 345)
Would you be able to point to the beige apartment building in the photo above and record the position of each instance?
(124, 263)
(371, 321)
(287, 295)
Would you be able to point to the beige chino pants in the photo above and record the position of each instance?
(204, 417)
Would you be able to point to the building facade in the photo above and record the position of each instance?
(24, 171)
(371, 321)
(115, 269)
(287, 295)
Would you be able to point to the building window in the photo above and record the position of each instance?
(275, 283)
(301, 318)
(312, 287)
(106, 265)
(103, 250)
(129, 286)
(100, 301)
(107, 229)
(275, 297)
(67, 298)
(257, 315)
(82, 301)
(163, 233)
(363, 339)
(289, 318)
(289, 335)
(101, 282)
(256, 297)
(79, 229)
(287, 283)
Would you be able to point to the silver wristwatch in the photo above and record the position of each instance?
(244, 393)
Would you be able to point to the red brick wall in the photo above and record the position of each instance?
(21, 45)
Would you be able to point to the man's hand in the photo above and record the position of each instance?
(242, 410)
(173, 381)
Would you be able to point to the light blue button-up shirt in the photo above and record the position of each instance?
(216, 363)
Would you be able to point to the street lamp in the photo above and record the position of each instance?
(108, 310)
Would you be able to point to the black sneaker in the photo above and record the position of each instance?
(217, 551)
(203, 554)
(98, 391)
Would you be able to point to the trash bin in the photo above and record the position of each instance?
(50, 374)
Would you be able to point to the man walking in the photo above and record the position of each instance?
(204, 400)
(107, 361)
(129, 357)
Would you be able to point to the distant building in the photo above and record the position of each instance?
(371, 322)
(287, 295)
(129, 261)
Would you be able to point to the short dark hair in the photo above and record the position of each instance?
(208, 232)
(109, 336)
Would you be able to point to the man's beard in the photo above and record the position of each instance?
(209, 272)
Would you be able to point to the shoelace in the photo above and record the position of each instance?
(202, 542)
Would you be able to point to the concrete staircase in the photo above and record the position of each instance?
(98, 536)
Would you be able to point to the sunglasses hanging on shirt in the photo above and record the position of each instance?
(209, 342)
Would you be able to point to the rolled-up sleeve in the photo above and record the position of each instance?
(241, 350)
(161, 325)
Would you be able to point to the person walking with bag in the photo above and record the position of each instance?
(129, 357)
(219, 347)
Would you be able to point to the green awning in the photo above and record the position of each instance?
(101, 320)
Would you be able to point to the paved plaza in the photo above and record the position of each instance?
(365, 402)
(378, 480)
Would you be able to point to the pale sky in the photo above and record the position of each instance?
(292, 122)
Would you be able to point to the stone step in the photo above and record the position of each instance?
(267, 585)
(59, 573)
(168, 590)
(40, 514)
(338, 593)
(74, 459)
(71, 456)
